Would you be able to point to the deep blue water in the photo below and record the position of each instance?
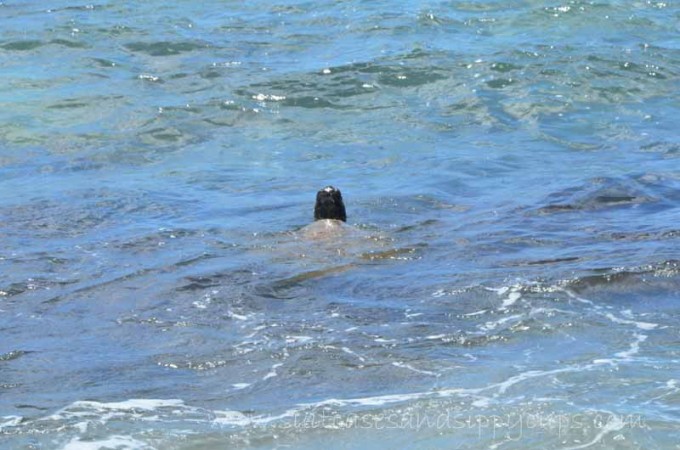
(509, 276)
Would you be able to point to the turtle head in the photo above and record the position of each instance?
(329, 205)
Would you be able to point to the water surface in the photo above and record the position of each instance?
(510, 169)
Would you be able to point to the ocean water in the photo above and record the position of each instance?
(510, 276)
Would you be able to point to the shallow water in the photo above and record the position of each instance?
(510, 170)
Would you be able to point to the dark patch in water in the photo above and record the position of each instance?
(92, 209)
(69, 44)
(628, 276)
(409, 77)
(22, 46)
(14, 289)
(668, 148)
(500, 83)
(299, 278)
(406, 253)
(334, 86)
(33, 284)
(550, 209)
(542, 262)
(98, 284)
(600, 194)
(14, 354)
(417, 226)
(209, 281)
(615, 199)
(504, 67)
(68, 104)
(102, 62)
(642, 236)
(199, 283)
(164, 48)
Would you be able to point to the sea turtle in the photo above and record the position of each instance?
(329, 245)
(329, 205)
(329, 216)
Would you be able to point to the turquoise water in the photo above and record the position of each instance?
(509, 279)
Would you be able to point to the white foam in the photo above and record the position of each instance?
(673, 387)
(499, 291)
(634, 347)
(125, 442)
(238, 419)
(609, 361)
(9, 421)
(271, 97)
(626, 312)
(476, 313)
(148, 410)
(580, 299)
(413, 369)
(233, 315)
(148, 77)
(435, 336)
(298, 339)
(272, 373)
(79, 416)
(235, 418)
(350, 352)
(615, 424)
(103, 412)
(265, 419)
(482, 402)
(129, 405)
(626, 355)
(640, 325)
(511, 300)
(503, 386)
(476, 393)
(492, 325)
(371, 401)
(240, 385)
(152, 409)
